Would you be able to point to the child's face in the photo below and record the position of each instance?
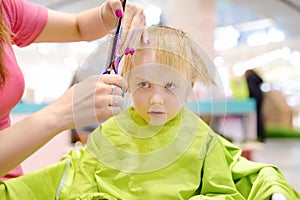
(158, 91)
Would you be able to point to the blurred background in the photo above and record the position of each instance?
(238, 35)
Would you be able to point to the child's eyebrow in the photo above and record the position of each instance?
(141, 79)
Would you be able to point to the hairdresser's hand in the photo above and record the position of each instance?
(87, 102)
(90, 101)
(133, 20)
(91, 24)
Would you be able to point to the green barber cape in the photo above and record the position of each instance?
(127, 159)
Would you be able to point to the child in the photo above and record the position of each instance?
(156, 148)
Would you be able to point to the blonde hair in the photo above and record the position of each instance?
(5, 37)
(176, 49)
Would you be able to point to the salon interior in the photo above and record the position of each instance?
(238, 35)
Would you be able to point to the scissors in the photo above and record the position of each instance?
(112, 66)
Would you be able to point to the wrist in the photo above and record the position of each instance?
(55, 119)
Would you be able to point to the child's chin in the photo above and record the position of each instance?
(157, 122)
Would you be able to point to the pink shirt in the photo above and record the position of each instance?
(27, 21)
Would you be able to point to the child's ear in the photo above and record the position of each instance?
(189, 93)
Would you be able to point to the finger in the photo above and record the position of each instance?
(138, 20)
(133, 25)
(114, 79)
(108, 112)
(116, 101)
(115, 110)
(126, 20)
(134, 18)
(116, 6)
(145, 36)
(128, 16)
(117, 90)
(107, 106)
(111, 11)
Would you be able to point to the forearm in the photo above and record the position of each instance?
(84, 103)
(64, 27)
(91, 26)
(26, 136)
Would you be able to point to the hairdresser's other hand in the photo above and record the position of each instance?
(87, 102)
(132, 18)
(91, 24)
(90, 101)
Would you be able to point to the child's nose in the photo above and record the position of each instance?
(157, 95)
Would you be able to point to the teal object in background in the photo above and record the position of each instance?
(23, 108)
(223, 107)
(216, 107)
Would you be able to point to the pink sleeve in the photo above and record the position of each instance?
(25, 19)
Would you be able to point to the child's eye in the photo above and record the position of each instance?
(144, 84)
(170, 86)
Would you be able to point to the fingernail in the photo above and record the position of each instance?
(119, 13)
(127, 51)
(131, 51)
